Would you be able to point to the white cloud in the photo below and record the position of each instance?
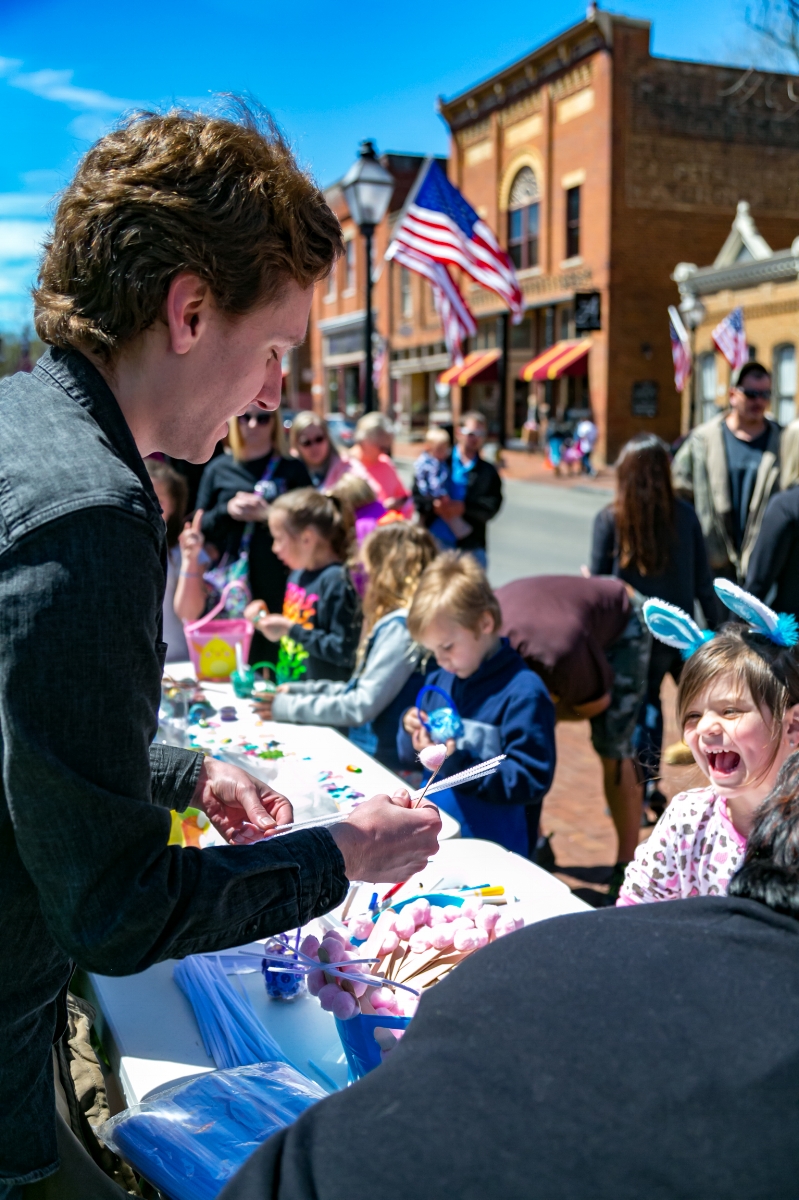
(25, 204)
(20, 240)
(57, 85)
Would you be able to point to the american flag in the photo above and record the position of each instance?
(680, 349)
(730, 337)
(439, 228)
(456, 316)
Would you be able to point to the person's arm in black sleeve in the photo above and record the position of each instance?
(603, 543)
(770, 553)
(484, 498)
(173, 775)
(295, 474)
(703, 578)
(338, 616)
(77, 766)
(423, 504)
(217, 525)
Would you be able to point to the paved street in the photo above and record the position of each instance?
(542, 529)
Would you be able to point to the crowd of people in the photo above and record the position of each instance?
(180, 271)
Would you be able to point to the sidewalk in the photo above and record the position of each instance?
(523, 465)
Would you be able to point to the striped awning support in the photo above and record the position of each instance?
(473, 365)
(564, 358)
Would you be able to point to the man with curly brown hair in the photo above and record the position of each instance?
(180, 271)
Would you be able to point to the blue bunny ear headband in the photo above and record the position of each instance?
(671, 625)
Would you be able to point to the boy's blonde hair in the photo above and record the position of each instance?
(436, 436)
(455, 586)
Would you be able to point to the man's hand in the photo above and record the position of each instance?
(412, 724)
(385, 840)
(446, 507)
(247, 506)
(242, 808)
(273, 626)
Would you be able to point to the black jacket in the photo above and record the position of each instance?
(86, 874)
(638, 1052)
(775, 558)
(483, 502)
(688, 576)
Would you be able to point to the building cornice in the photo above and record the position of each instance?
(704, 281)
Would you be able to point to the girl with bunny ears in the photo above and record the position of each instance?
(738, 706)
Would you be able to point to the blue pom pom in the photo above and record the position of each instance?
(787, 631)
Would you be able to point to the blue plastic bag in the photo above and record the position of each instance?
(190, 1139)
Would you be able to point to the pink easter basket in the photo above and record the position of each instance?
(212, 644)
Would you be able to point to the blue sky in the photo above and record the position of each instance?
(331, 75)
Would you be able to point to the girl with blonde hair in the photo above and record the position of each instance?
(388, 673)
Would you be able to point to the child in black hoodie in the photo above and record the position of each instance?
(321, 611)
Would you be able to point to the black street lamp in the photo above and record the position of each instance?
(367, 189)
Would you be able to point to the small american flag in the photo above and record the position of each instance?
(439, 229)
(730, 337)
(680, 349)
(456, 316)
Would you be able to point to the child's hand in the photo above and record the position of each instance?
(412, 724)
(273, 626)
(191, 540)
(254, 610)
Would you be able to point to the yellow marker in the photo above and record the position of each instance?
(491, 891)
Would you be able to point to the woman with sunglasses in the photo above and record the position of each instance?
(311, 442)
(235, 494)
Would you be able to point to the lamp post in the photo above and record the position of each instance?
(367, 188)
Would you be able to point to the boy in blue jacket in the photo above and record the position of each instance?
(503, 705)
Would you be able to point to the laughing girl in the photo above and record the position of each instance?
(738, 705)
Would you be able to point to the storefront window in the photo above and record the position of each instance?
(523, 220)
(784, 403)
(706, 379)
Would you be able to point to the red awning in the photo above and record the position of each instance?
(479, 362)
(564, 358)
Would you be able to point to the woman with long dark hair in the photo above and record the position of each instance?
(653, 541)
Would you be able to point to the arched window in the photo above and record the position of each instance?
(707, 380)
(785, 383)
(523, 219)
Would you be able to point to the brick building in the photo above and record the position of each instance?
(405, 320)
(600, 167)
(765, 284)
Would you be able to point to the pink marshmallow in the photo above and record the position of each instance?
(327, 995)
(452, 911)
(461, 923)
(421, 910)
(383, 998)
(506, 924)
(343, 1005)
(405, 924)
(409, 1004)
(432, 757)
(442, 937)
(472, 906)
(310, 946)
(316, 981)
(390, 943)
(466, 939)
(487, 918)
(420, 941)
(332, 950)
(436, 915)
(360, 928)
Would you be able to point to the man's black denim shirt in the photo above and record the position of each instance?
(86, 875)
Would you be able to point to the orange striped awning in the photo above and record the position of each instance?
(473, 365)
(564, 358)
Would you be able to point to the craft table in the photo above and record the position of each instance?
(310, 748)
(147, 1026)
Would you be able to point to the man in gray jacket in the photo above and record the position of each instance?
(729, 468)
